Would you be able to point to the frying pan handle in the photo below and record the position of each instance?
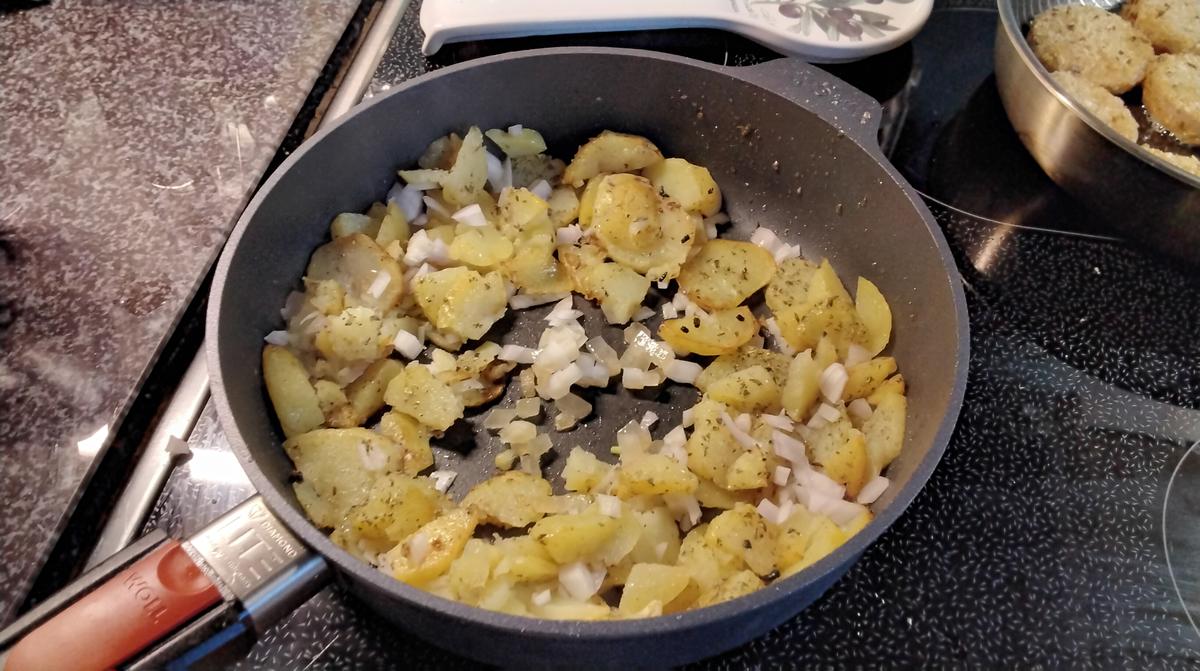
(851, 111)
(175, 604)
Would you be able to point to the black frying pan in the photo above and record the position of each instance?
(793, 149)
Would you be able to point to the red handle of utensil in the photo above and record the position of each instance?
(133, 609)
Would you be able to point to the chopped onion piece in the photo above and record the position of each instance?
(819, 482)
(717, 219)
(790, 449)
(516, 129)
(781, 475)
(669, 311)
(683, 372)
(786, 507)
(499, 418)
(778, 422)
(471, 215)
(636, 378)
(595, 374)
(495, 172)
(580, 582)
(407, 345)
(643, 314)
(710, 229)
(559, 384)
(856, 354)
(379, 284)
(518, 432)
(408, 199)
(529, 407)
(663, 284)
(563, 312)
(279, 338)
(871, 491)
(609, 506)
(859, 409)
(648, 420)
(541, 598)
(508, 173)
(685, 506)
(829, 413)
(744, 439)
(660, 550)
(291, 307)
(418, 547)
(522, 301)
(435, 206)
(541, 189)
(842, 512)
(573, 406)
(680, 301)
(516, 354)
(441, 361)
(766, 238)
(568, 235)
(688, 417)
(769, 511)
(777, 338)
(676, 437)
(633, 438)
(605, 354)
(833, 383)
(786, 252)
(350, 373)
(420, 222)
(443, 479)
(563, 421)
(743, 422)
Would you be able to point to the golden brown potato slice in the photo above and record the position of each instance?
(725, 273)
(294, 398)
(721, 332)
(610, 152)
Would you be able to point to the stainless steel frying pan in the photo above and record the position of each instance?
(1136, 193)
(793, 149)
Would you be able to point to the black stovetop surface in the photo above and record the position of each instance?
(1062, 527)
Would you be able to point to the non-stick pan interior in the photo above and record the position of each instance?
(778, 164)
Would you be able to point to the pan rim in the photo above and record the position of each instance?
(610, 630)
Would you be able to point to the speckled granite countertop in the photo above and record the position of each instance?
(131, 136)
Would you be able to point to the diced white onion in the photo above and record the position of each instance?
(833, 383)
(663, 284)
(407, 345)
(609, 506)
(418, 547)
(541, 598)
(518, 432)
(843, 512)
(573, 406)
(379, 284)
(766, 238)
(372, 458)
(669, 311)
(499, 418)
(350, 373)
(819, 482)
(580, 582)
(688, 417)
(471, 215)
(873, 490)
(685, 505)
(743, 422)
(643, 314)
(441, 361)
(768, 510)
(605, 354)
(291, 307)
(829, 413)
(443, 479)
(435, 206)
(516, 354)
(541, 189)
(790, 449)
(676, 437)
(710, 229)
(648, 420)
(636, 378)
(717, 219)
(744, 439)
(420, 222)
(786, 507)
(408, 199)
(859, 409)
(856, 354)
(781, 475)
(279, 338)
(508, 173)
(516, 129)
(786, 252)
(559, 384)
(780, 422)
(528, 407)
(522, 301)
(633, 438)
(777, 338)
(568, 235)
(680, 301)
(660, 550)
(563, 312)
(495, 172)
(595, 374)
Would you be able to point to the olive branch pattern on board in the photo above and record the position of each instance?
(837, 19)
